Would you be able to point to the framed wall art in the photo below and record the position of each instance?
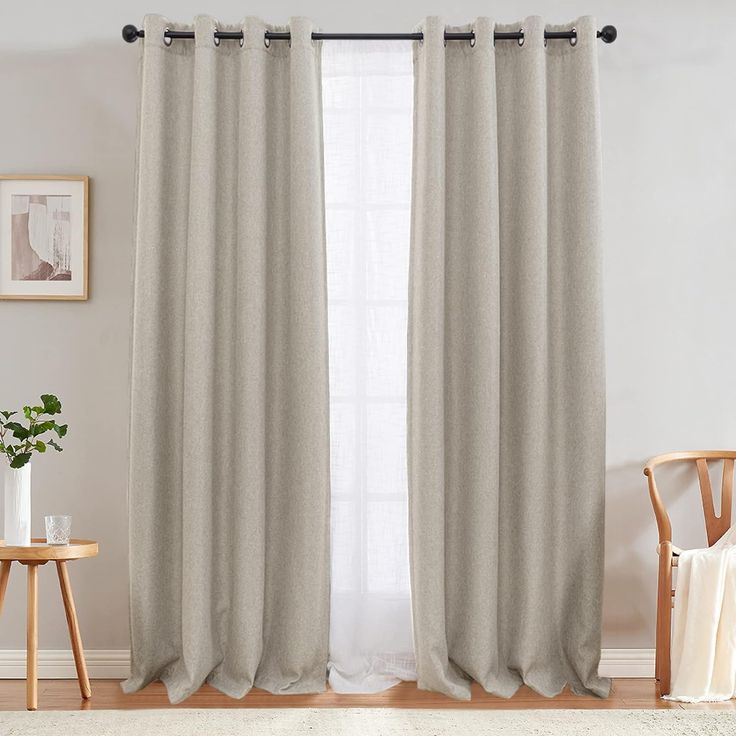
(43, 237)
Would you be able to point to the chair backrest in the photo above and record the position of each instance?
(716, 525)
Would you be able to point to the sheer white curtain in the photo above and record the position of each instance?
(367, 97)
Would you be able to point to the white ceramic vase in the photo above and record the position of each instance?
(18, 506)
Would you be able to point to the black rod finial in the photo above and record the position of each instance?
(130, 33)
(608, 34)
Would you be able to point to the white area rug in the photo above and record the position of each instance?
(368, 722)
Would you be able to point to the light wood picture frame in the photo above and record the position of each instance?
(44, 237)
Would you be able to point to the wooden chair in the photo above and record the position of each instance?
(716, 525)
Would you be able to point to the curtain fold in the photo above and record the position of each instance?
(506, 378)
(229, 446)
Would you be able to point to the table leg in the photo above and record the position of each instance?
(71, 619)
(4, 575)
(32, 639)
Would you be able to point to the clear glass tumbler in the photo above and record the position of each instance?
(58, 529)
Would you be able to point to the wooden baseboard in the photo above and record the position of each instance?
(58, 664)
(627, 663)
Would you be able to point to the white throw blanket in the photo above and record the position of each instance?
(704, 637)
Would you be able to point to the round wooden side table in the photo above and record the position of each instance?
(39, 553)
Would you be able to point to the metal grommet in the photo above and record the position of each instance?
(520, 40)
(266, 40)
(574, 39)
(473, 39)
(215, 37)
(242, 38)
(167, 39)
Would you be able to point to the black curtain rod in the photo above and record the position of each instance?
(607, 34)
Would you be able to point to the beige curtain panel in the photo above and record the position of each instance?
(506, 379)
(229, 457)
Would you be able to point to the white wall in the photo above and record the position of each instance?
(68, 86)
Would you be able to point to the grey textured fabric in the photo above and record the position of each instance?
(229, 456)
(506, 377)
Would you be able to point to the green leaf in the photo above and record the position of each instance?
(54, 445)
(27, 412)
(42, 427)
(51, 405)
(20, 460)
(8, 414)
(18, 430)
(37, 409)
(40, 446)
(61, 429)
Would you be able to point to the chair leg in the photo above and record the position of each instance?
(664, 618)
(74, 635)
(4, 575)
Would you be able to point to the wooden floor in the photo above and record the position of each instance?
(106, 694)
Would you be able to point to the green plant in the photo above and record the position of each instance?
(29, 435)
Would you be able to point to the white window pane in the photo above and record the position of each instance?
(387, 256)
(386, 448)
(385, 59)
(387, 158)
(345, 571)
(341, 255)
(343, 460)
(341, 150)
(387, 92)
(388, 543)
(340, 92)
(342, 350)
(386, 326)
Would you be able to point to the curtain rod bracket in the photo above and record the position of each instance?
(607, 34)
